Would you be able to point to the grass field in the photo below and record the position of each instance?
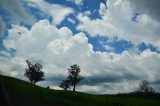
(15, 92)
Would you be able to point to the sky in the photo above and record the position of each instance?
(116, 43)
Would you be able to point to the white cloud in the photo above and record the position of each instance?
(59, 45)
(103, 9)
(108, 48)
(110, 88)
(71, 20)
(17, 10)
(18, 13)
(5, 54)
(117, 21)
(95, 27)
(12, 67)
(87, 13)
(58, 49)
(77, 2)
(58, 12)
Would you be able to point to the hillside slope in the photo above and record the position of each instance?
(15, 92)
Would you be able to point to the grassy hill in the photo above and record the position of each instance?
(15, 92)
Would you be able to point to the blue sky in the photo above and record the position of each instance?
(96, 34)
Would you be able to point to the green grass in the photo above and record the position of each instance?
(16, 92)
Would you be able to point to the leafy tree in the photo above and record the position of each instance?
(74, 76)
(65, 84)
(33, 72)
(145, 87)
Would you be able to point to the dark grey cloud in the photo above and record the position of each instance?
(149, 7)
(109, 78)
(2, 27)
(55, 79)
(157, 82)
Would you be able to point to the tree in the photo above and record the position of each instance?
(65, 84)
(33, 72)
(74, 76)
(145, 87)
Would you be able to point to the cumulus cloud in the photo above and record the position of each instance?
(103, 9)
(58, 12)
(58, 49)
(117, 21)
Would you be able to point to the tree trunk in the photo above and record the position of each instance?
(74, 86)
(34, 83)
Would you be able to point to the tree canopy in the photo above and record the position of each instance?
(65, 84)
(73, 78)
(33, 72)
(145, 87)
